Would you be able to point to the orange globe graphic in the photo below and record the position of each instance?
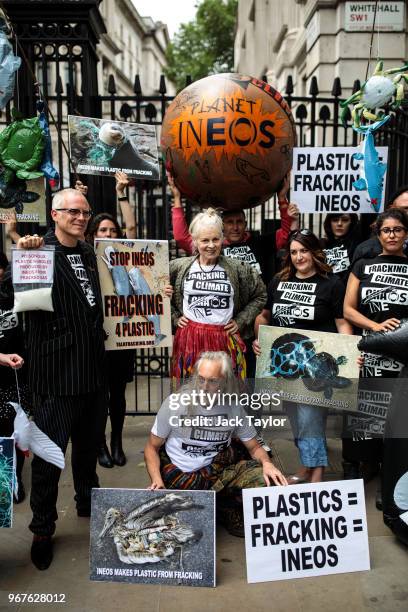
(228, 140)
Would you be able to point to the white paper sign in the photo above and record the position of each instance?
(359, 16)
(322, 180)
(32, 267)
(305, 530)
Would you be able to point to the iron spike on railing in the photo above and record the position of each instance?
(162, 86)
(264, 78)
(356, 86)
(137, 88)
(111, 85)
(324, 113)
(289, 86)
(314, 89)
(59, 89)
(336, 89)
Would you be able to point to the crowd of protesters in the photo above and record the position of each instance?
(72, 383)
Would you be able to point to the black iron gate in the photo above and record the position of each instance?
(58, 39)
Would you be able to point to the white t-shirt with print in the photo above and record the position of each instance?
(193, 447)
(208, 296)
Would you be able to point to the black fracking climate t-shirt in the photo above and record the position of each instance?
(339, 255)
(258, 251)
(73, 254)
(382, 295)
(311, 303)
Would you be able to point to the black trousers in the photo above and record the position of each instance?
(81, 418)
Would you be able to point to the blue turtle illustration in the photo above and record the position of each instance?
(294, 356)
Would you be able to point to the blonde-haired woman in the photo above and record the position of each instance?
(215, 300)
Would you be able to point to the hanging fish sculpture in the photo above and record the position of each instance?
(371, 169)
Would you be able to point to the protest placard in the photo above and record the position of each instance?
(133, 274)
(153, 537)
(103, 146)
(33, 274)
(23, 201)
(307, 366)
(322, 180)
(310, 529)
(7, 471)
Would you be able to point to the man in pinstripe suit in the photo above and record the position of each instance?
(66, 370)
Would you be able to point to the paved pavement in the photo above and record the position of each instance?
(383, 589)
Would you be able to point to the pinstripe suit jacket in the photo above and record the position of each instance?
(66, 352)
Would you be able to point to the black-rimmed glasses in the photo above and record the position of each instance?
(75, 213)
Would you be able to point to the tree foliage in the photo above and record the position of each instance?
(203, 46)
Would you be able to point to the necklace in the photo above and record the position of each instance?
(206, 271)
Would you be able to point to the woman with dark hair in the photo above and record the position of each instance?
(342, 237)
(376, 300)
(120, 363)
(306, 273)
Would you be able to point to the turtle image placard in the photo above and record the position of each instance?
(153, 537)
(24, 199)
(309, 367)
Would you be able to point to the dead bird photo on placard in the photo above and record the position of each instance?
(156, 537)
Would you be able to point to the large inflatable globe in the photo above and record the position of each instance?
(227, 140)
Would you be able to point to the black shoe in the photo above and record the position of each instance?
(21, 494)
(378, 500)
(118, 456)
(351, 470)
(104, 458)
(41, 552)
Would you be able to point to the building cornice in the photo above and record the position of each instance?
(315, 5)
(110, 43)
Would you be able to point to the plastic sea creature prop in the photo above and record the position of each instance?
(49, 171)
(376, 93)
(9, 64)
(371, 169)
(151, 532)
(294, 356)
(29, 437)
(22, 146)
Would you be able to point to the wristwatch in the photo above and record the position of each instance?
(122, 198)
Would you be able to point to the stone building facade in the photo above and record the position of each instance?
(133, 44)
(322, 38)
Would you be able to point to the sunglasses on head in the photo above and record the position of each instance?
(301, 232)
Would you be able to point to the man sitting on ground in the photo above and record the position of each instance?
(192, 446)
